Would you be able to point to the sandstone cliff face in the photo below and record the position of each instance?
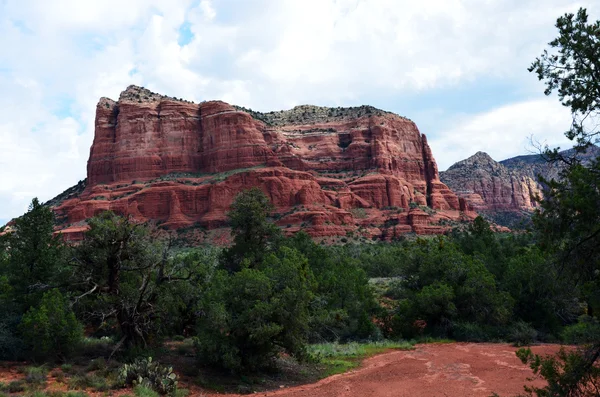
(490, 186)
(505, 190)
(327, 170)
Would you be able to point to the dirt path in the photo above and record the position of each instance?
(453, 370)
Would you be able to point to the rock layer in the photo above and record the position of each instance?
(330, 171)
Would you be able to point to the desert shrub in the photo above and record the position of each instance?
(97, 347)
(144, 391)
(587, 330)
(443, 286)
(94, 382)
(96, 364)
(149, 374)
(522, 334)
(343, 302)
(36, 376)
(358, 213)
(51, 329)
(16, 386)
(474, 332)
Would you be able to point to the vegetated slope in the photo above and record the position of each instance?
(330, 171)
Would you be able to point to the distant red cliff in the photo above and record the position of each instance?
(329, 171)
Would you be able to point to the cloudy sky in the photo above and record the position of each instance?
(455, 67)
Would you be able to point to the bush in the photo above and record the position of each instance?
(522, 334)
(142, 391)
(36, 375)
(97, 347)
(11, 346)
(473, 332)
(95, 382)
(148, 374)
(250, 316)
(587, 330)
(51, 329)
(97, 364)
(16, 386)
(568, 373)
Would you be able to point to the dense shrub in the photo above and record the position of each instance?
(586, 330)
(249, 316)
(51, 329)
(440, 286)
(474, 332)
(343, 303)
(11, 345)
(522, 334)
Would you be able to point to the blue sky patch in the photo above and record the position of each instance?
(185, 34)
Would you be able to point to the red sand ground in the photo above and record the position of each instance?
(452, 370)
(431, 370)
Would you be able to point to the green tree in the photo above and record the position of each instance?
(442, 286)
(250, 316)
(569, 222)
(253, 234)
(36, 261)
(123, 276)
(343, 303)
(572, 68)
(50, 329)
(32, 261)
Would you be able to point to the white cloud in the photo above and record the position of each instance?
(504, 132)
(60, 56)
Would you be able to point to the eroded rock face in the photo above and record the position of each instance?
(488, 185)
(329, 171)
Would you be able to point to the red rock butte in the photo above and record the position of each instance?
(329, 171)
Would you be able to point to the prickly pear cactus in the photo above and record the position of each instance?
(145, 372)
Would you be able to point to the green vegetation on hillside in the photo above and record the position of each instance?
(267, 297)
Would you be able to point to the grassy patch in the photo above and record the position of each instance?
(16, 386)
(98, 383)
(337, 358)
(141, 391)
(36, 376)
(57, 394)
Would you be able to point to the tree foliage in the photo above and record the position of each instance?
(51, 329)
(253, 234)
(572, 68)
(35, 261)
(568, 224)
(249, 316)
(123, 274)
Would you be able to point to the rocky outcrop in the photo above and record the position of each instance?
(490, 186)
(329, 171)
(505, 191)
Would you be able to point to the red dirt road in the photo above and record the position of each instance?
(431, 370)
